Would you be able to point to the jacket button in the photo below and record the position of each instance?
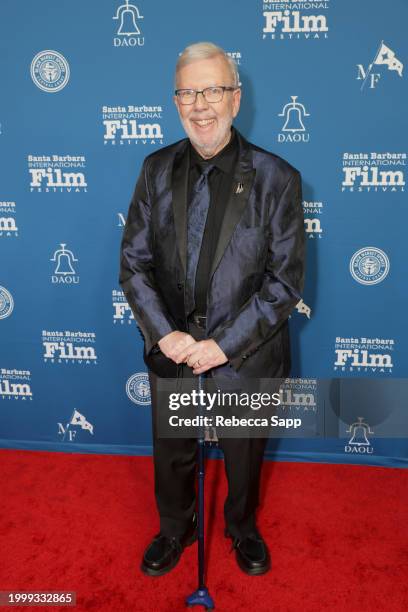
(244, 356)
(180, 286)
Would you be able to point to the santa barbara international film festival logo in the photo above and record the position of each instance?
(69, 347)
(359, 442)
(129, 125)
(6, 303)
(138, 389)
(64, 271)
(370, 76)
(122, 313)
(15, 384)
(293, 129)
(312, 219)
(294, 20)
(50, 71)
(368, 355)
(77, 422)
(369, 266)
(373, 172)
(236, 56)
(8, 226)
(52, 173)
(298, 394)
(128, 26)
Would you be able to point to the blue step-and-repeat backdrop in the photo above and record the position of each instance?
(86, 94)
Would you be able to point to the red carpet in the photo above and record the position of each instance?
(338, 536)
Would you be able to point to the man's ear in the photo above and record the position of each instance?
(236, 101)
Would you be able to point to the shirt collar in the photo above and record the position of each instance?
(223, 160)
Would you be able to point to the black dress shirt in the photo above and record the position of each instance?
(220, 183)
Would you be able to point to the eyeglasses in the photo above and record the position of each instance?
(211, 94)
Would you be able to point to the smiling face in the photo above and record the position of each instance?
(208, 125)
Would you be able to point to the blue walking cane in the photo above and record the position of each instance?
(201, 596)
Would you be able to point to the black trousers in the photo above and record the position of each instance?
(175, 463)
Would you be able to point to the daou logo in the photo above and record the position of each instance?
(128, 33)
(293, 129)
(359, 442)
(64, 271)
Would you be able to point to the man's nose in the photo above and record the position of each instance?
(200, 101)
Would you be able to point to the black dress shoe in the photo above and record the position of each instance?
(164, 552)
(251, 553)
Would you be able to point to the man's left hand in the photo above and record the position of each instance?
(202, 356)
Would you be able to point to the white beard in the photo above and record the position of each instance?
(207, 149)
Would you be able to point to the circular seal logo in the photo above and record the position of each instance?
(6, 303)
(50, 71)
(138, 389)
(369, 266)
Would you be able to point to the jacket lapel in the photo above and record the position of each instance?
(238, 199)
(179, 185)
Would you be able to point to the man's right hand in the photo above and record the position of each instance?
(174, 342)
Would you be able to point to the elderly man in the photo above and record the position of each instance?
(212, 263)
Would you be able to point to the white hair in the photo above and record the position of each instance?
(205, 50)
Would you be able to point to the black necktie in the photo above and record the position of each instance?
(196, 218)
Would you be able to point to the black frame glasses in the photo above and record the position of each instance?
(204, 92)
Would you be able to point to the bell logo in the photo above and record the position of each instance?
(359, 442)
(64, 270)
(128, 32)
(295, 131)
